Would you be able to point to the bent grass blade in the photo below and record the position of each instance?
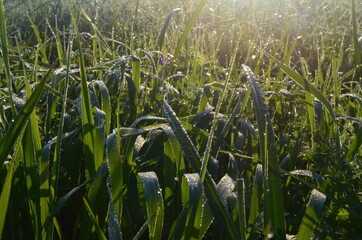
(311, 215)
(150, 193)
(192, 196)
(161, 37)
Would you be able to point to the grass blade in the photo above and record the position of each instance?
(58, 144)
(59, 231)
(274, 209)
(114, 229)
(58, 206)
(207, 219)
(178, 227)
(256, 194)
(150, 193)
(44, 179)
(161, 37)
(144, 227)
(228, 124)
(94, 221)
(356, 44)
(105, 104)
(187, 30)
(307, 86)
(311, 215)
(31, 180)
(241, 206)
(5, 195)
(5, 53)
(58, 42)
(6, 189)
(87, 120)
(34, 143)
(92, 196)
(40, 42)
(99, 34)
(14, 131)
(136, 74)
(193, 157)
(93, 154)
(115, 165)
(174, 167)
(192, 195)
(92, 161)
(355, 145)
(132, 93)
(208, 149)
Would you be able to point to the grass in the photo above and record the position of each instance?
(180, 119)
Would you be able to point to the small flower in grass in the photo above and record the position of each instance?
(164, 61)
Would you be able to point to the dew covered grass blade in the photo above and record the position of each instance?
(161, 36)
(114, 228)
(99, 34)
(255, 211)
(256, 194)
(93, 157)
(274, 208)
(91, 196)
(150, 194)
(196, 215)
(192, 197)
(174, 167)
(311, 215)
(241, 207)
(57, 152)
(105, 103)
(115, 165)
(193, 157)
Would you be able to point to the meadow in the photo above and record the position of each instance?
(185, 119)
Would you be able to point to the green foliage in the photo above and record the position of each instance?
(180, 119)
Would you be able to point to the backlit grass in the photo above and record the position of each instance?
(180, 119)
